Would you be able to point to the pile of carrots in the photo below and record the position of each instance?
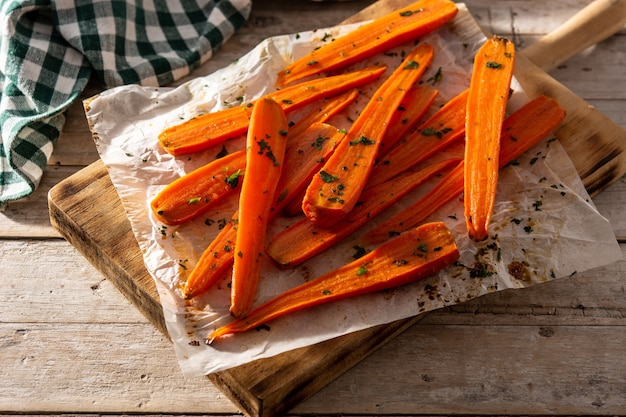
(337, 180)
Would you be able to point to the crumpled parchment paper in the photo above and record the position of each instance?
(546, 225)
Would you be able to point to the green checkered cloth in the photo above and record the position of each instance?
(50, 49)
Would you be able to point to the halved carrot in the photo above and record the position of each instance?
(521, 131)
(193, 194)
(265, 151)
(196, 192)
(304, 239)
(415, 104)
(379, 35)
(214, 263)
(214, 128)
(439, 131)
(486, 107)
(335, 191)
(304, 156)
(413, 256)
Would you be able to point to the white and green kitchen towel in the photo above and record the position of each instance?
(49, 49)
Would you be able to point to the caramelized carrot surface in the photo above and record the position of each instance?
(413, 256)
(486, 108)
(403, 25)
(521, 131)
(214, 128)
(336, 189)
(265, 151)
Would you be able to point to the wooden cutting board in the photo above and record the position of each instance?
(86, 210)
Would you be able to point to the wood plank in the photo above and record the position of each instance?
(527, 333)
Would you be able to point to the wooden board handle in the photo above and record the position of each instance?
(594, 23)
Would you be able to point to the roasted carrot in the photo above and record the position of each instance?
(265, 150)
(415, 104)
(304, 156)
(403, 25)
(521, 131)
(439, 131)
(304, 239)
(214, 128)
(215, 261)
(413, 256)
(193, 194)
(486, 108)
(336, 189)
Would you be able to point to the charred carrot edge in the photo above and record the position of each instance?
(415, 104)
(193, 194)
(214, 263)
(304, 239)
(439, 131)
(521, 131)
(486, 107)
(215, 128)
(304, 156)
(403, 25)
(265, 150)
(413, 256)
(335, 191)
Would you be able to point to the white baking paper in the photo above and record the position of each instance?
(545, 222)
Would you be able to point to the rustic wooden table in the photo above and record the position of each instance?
(71, 343)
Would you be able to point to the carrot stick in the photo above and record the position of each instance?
(214, 128)
(265, 151)
(214, 262)
(486, 107)
(305, 239)
(439, 131)
(413, 256)
(304, 156)
(521, 131)
(193, 194)
(337, 188)
(403, 25)
(416, 102)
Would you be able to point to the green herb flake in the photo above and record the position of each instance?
(362, 140)
(326, 177)
(494, 65)
(361, 271)
(194, 200)
(412, 65)
(233, 179)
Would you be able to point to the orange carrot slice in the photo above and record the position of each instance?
(415, 104)
(214, 263)
(336, 189)
(193, 194)
(442, 129)
(304, 239)
(403, 25)
(214, 128)
(265, 151)
(486, 108)
(521, 131)
(304, 156)
(415, 255)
